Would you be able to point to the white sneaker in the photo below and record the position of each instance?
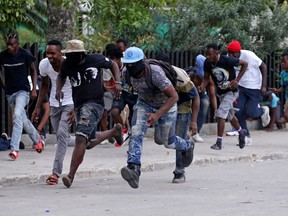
(248, 141)
(197, 138)
(104, 142)
(265, 116)
(232, 133)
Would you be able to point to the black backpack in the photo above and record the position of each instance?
(168, 69)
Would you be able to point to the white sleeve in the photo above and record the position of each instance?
(43, 67)
(256, 60)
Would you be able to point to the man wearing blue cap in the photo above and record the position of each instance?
(155, 107)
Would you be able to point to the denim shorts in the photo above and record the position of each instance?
(87, 119)
(127, 98)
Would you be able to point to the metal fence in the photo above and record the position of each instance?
(181, 59)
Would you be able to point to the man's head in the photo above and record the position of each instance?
(284, 61)
(234, 49)
(113, 52)
(53, 52)
(122, 44)
(163, 57)
(212, 52)
(12, 43)
(75, 52)
(133, 59)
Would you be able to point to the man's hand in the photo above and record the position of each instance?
(33, 94)
(263, 90)
(71, 117)
(152, 118)
(59, 96)
(35, 115)
(193, 128)
(118, 90)
(200, 89)
(233, 84)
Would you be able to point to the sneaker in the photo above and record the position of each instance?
(39, 147)
(197, 138)
(13, 155)
(265, 117)
(232, 133)
(241, 138)
(217, 146)
(5, 136)
(178, 177)
(131, 174)
(248, 141)
(187, 156)
(104, 142)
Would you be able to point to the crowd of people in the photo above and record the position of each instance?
(138, 93)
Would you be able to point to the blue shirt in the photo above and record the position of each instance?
(284, 82)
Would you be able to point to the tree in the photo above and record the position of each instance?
(13, 13)
(112, 19)
(193, 24)
(61, 19)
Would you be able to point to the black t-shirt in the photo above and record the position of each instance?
(86, 79)
(16, 70)
(222, 72)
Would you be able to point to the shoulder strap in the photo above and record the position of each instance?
(148, 74)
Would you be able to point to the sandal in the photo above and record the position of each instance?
(13, 155)
(39, 147)
(67, 181)
(118, 136)
(52, 180)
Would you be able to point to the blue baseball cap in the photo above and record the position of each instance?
(132, 55)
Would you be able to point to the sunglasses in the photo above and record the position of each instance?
(11, 35)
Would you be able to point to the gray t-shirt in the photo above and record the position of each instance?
(154, 97)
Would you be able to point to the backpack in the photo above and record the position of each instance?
(4, 144)
(178, 77)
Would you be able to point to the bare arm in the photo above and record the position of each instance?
(212, 92)
(59, 85)
(234, 83)
(42, 94)
(34, 80)
(263, 70)
(205, 82)
(195, 111)
(172, 95)
(116, 73)
(45, 117)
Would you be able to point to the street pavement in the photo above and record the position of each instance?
(229, 189)
(104, 160)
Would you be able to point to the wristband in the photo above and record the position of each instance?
(118, 82)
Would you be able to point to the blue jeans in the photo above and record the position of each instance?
(247, 103)
(17, 103)
(203, 110)
(182, 127)
(164, 131)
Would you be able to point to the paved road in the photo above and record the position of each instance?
(238, 189)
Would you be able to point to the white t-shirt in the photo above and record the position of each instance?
(252, 77)
(46, 69)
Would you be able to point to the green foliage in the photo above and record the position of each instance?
(30, 13)
(132, 20)
(194, 23)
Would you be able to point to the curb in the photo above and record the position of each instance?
(146, 167)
